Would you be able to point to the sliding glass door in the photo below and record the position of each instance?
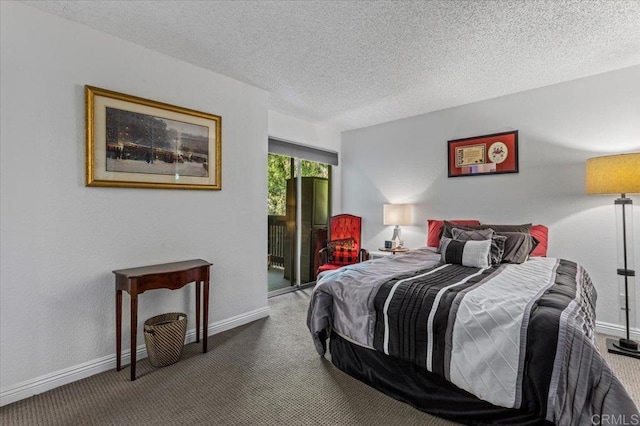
(281, 218)
(314, 216)
(298, 213)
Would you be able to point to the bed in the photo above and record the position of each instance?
(509, 343)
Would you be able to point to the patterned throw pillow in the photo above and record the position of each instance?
(497, 241)
(474, 254)
(344, 256)
(348, 243)
(473, 235)
(342, 252)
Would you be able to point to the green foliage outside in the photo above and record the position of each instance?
(279, 169)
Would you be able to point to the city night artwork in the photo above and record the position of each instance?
(135, 142)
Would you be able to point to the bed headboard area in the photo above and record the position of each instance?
(436, 229)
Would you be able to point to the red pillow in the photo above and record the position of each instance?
(540, 233)
(434, 227)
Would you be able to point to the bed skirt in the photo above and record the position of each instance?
(423, 390)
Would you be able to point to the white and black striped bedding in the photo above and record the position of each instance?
(514, 335)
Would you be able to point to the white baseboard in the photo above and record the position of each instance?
(616, 330)
(47, 382)
(50, 381)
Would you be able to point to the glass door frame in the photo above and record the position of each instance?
(295, 168)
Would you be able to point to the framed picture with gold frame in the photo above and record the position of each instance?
(137, 142)
(484, 155)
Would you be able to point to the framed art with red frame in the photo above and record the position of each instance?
(484, 155)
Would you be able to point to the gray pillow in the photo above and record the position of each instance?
(497, 248)
(474, 235)
(499, 229)
(526, 228)
(517, 246)
(474, 254)
(497, 242)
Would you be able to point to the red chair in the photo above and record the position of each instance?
(343, 247)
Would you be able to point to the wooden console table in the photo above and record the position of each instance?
(173, 276)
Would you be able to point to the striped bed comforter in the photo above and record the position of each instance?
(518, 336)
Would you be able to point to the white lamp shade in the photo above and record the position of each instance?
(397, 214)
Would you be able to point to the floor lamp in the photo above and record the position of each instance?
(620, 174)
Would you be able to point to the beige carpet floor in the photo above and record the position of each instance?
(264, 373)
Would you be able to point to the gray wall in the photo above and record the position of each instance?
(61, 240)
(559, 127)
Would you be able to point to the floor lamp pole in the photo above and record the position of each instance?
(626, 346)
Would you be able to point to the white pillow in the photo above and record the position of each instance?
(474, 254)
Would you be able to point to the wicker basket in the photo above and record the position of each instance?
(164, 337)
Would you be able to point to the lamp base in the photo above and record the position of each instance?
(396, 241)
(623, 347)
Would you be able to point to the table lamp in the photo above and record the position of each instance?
(620, 174)
(397, 215)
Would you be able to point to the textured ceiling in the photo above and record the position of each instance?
(356, 63)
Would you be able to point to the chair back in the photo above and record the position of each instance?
(345, 226)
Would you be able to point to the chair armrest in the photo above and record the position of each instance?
(364, 255)
(323, 256)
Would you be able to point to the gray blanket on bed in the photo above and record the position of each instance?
(518, 336)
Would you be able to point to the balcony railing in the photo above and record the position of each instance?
(277, 233)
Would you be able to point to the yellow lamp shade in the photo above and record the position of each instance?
(614, 174)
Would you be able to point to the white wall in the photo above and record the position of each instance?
(302, 132)
(61, 240)
(559, 127)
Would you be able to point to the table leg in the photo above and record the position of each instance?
(134, 334)
(197, 311)
(205, 315)
(118, 330)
